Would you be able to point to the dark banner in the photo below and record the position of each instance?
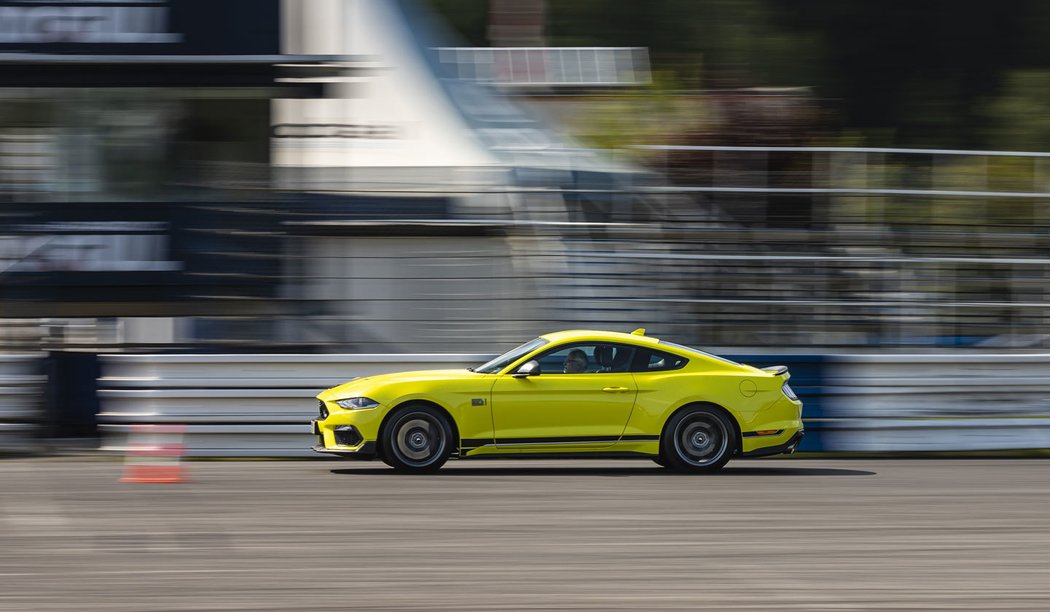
(118, 258)
(138, 252)
(141, 27)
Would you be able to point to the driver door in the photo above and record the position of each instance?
(567, 406)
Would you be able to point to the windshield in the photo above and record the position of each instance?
(507, 358)
(704, 353)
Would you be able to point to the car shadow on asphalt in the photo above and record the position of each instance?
(748, 470)
(615, 472)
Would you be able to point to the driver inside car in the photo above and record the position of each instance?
(575, 362)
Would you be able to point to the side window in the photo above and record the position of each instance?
(649, 360)
(589, 358)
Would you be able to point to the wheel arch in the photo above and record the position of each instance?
(739, 437)
(416, 401)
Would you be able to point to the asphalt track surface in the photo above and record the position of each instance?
(785, 534)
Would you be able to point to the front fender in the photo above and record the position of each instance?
(469, 406)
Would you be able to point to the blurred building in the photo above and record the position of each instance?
(438, 124)
(122, 127)
(166, 167)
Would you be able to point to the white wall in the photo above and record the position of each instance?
(392, 115)
(413, 293)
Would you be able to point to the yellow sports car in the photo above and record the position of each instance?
(570, 393)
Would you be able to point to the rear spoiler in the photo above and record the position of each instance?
(777, 370)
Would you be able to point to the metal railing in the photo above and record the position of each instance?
(237, 405)
(772, 247)
(260, 405)
(936, 402)
(21, 401)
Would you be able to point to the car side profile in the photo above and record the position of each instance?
(573, 394)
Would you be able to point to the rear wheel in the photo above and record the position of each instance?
(417, 438)
(698, 439)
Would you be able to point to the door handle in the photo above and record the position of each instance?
(615, 389)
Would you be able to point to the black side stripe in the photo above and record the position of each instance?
(469, 443)
(557, 440)
(755, 434)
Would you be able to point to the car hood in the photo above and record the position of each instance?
(371, 382)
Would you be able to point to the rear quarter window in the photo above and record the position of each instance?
(649, 360)
(698, 351)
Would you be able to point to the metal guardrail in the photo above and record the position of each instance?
(238, 405)
(21, 400)
(918, 435)
(260, 405)
(939, 402)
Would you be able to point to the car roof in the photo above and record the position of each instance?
(570, 335)
(589, 334)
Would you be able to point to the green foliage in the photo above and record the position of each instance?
(1018, 118)
(936, 73)
(636, 118)
(468, 17)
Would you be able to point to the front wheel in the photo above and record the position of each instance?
(699, 439)
(418, 438)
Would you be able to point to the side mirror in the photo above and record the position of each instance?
(529, 368)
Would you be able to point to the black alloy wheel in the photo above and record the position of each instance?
(417, 438)
(698, 439)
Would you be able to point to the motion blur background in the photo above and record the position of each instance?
(813, 183)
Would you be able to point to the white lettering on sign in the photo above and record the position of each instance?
(86, 24)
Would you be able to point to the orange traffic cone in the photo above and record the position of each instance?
(154, 453)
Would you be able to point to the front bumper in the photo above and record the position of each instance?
(786, 448)
(342, 440)
(347, 433)
(365, 452)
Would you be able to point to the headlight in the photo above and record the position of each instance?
(357, 403)
(788, 392)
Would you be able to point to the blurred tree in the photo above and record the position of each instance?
(898, 71)
(1023, 95)
(468, 17)
(914, 68)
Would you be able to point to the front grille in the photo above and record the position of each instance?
(323, 408)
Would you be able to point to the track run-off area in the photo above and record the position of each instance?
(789, 534)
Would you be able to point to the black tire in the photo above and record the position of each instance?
(660, 461)
(416, 438)
(698, 439)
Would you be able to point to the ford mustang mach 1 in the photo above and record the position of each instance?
(571, 394)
